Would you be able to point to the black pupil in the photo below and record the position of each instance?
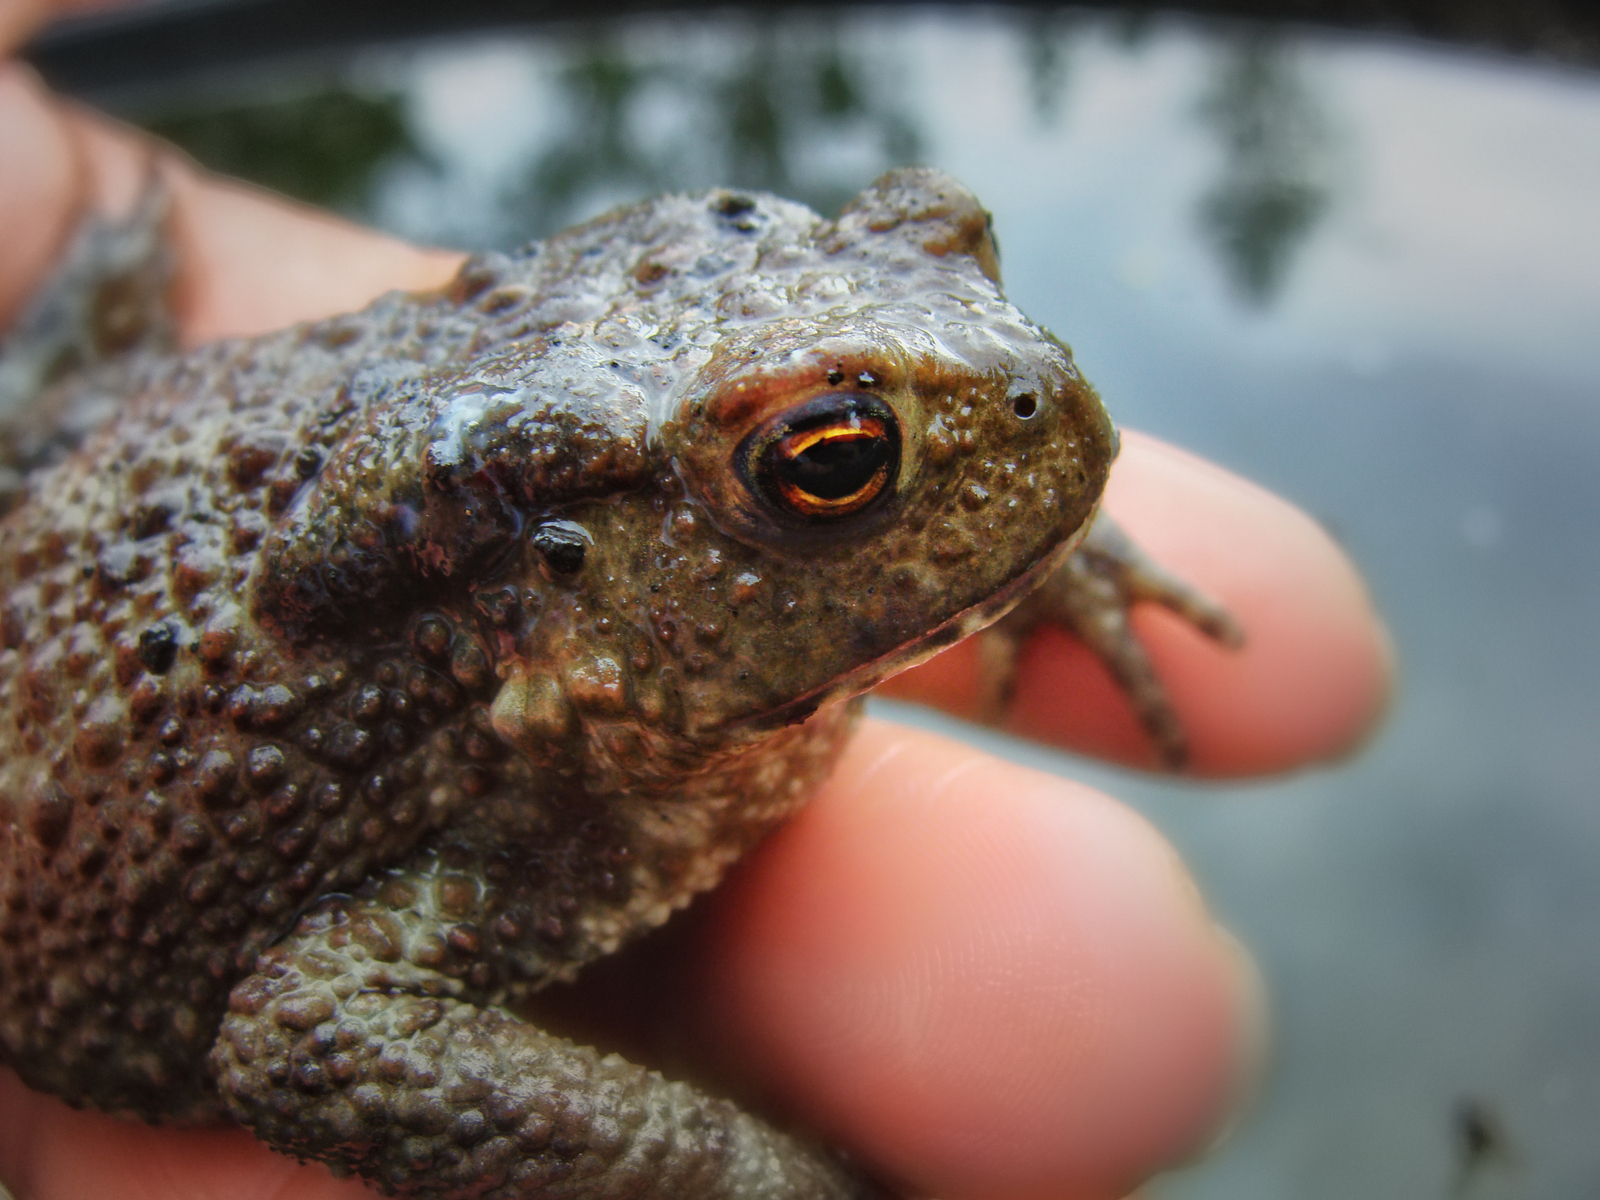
(836, 467)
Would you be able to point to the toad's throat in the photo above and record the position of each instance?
(540, 711)
(958, 627)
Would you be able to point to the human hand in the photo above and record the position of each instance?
(984, 981)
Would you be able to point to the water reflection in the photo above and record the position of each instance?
(781, 104)
(1045, 34)
(791, 103)
(1275, 139)
(601, 85)
(1276, 147)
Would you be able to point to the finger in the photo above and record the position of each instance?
(991, 982)
(1308, 685)
(246, 261)
(51, 1152)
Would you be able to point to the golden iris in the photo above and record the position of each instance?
(830, 457)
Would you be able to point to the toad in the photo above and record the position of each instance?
(360, 679)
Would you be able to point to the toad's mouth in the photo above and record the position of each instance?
(958, 627)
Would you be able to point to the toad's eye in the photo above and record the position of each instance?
(829, 457)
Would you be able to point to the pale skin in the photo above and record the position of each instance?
(1092, 1023)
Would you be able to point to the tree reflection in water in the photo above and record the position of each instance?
(1277, 148)
(779, 103)
(1046, 35)
(801, 104)
(1275, 140)
(600, 87)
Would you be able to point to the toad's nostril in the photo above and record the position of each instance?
(1025, 405)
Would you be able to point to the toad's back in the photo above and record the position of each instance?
(163, 822)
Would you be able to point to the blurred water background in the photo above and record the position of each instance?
(1364, 271)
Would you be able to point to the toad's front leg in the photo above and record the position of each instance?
(355, 1043)
(1092, 594)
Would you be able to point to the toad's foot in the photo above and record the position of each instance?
(1091, 594)
(353, 1043)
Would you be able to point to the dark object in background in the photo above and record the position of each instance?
(87, 55)
(1481, 1142)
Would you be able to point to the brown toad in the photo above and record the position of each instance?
(360, 679)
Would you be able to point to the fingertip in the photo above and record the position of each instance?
(993, 982)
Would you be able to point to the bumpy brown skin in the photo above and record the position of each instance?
(304, 697)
